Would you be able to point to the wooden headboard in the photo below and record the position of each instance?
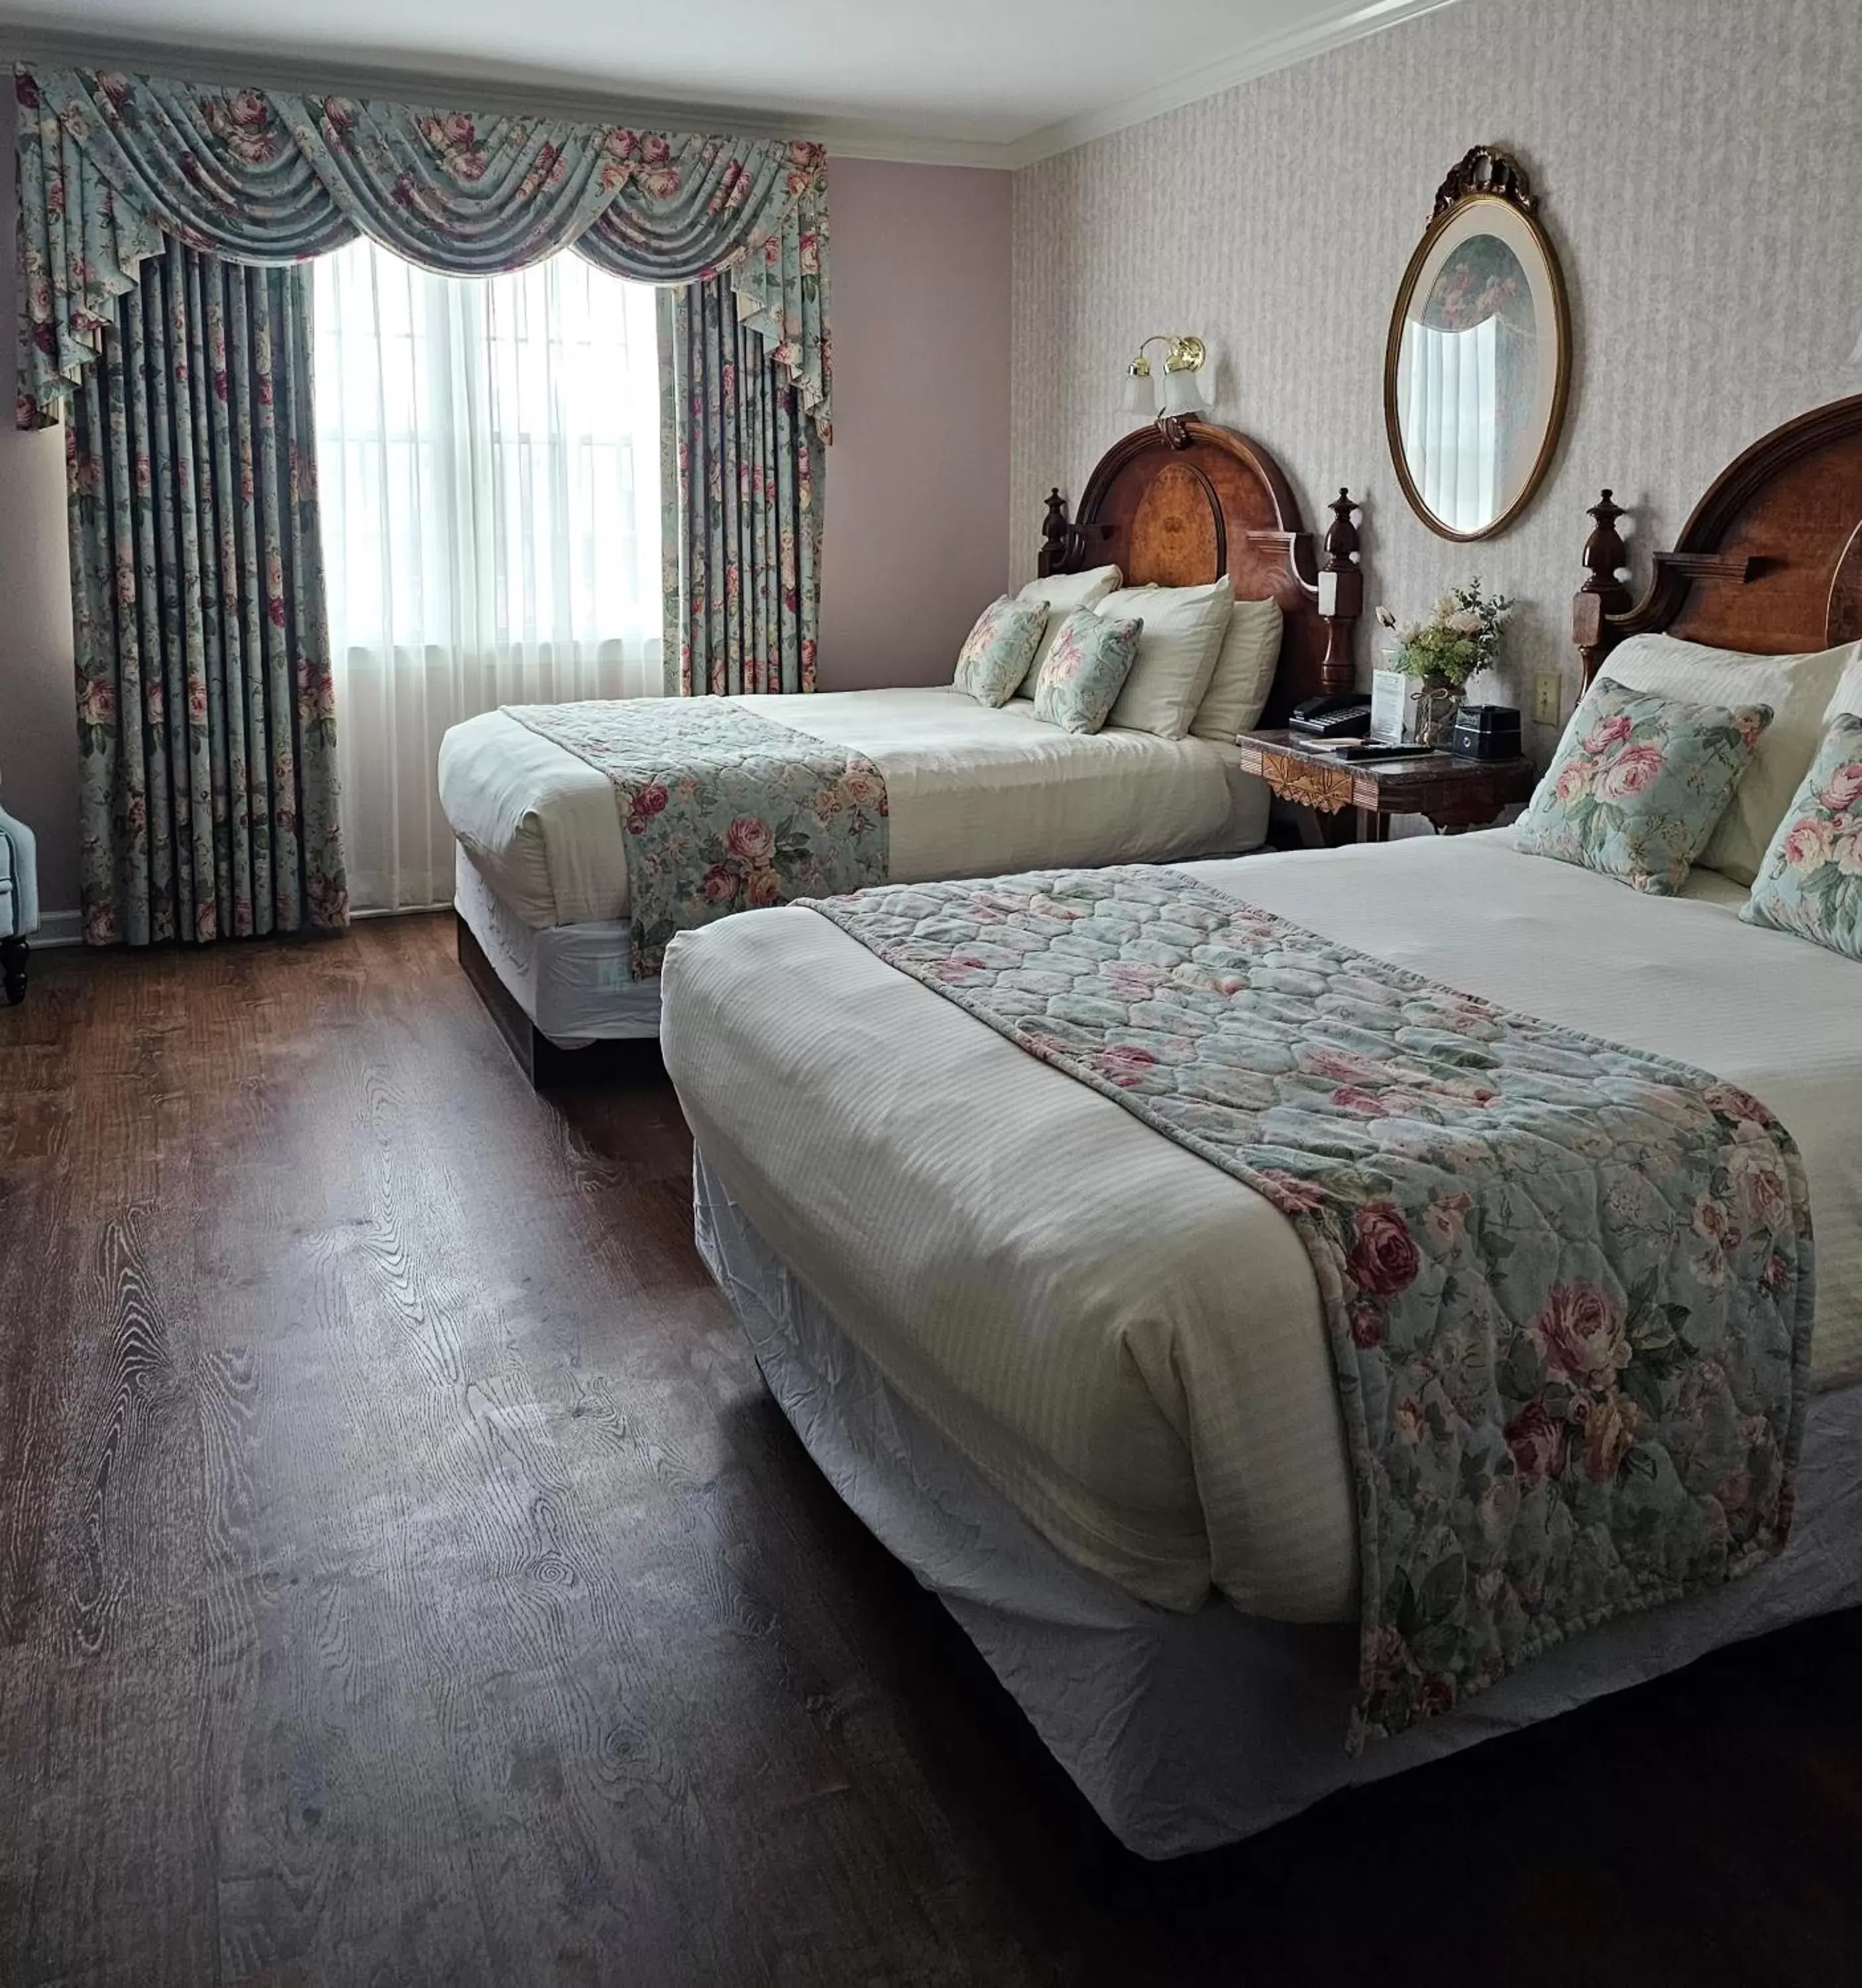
(1770, 563)
(1180, 503)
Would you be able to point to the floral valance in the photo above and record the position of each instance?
(110, 164)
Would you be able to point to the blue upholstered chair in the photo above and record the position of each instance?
(19, 902)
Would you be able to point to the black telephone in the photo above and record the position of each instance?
(1344, 715)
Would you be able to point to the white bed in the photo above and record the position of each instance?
(1113, 1349)
(970, 790)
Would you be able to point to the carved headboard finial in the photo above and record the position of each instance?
(1487, 169)
(1056, 537)
(1341, 535)
(1602, 593)
(1340, 594)
(1605, 554)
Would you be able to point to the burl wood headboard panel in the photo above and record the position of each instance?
(1770, 563)
(1180, 503)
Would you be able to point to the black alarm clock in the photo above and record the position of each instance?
(1486, 732)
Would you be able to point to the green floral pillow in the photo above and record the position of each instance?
(1810, 882)
(996, 653)
(1086, 670)
(1639, 784)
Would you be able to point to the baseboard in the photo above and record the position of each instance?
(58, 928)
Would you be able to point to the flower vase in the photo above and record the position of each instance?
(1437, 704)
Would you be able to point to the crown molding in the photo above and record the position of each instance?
(1341, 24)
(848, 138)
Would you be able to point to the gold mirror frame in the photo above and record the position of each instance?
(1485, 175)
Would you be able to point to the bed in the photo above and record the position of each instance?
(543, 897)
(1075, 1376)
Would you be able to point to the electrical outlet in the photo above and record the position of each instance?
(1547, 696)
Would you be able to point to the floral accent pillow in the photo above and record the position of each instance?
(1640, 784)
(1810, 881)
(1086, 670)
(996, 653)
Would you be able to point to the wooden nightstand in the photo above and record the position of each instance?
(1453, 794)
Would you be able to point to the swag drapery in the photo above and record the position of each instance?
(112, 168)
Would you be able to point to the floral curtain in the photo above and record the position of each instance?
(741, 484)
(110, 165)
(208, 802)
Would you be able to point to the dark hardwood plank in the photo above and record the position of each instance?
(404, 1577)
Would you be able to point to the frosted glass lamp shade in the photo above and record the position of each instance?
(1139, 395)
(1183, 393)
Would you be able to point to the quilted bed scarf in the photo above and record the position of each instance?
(721, 810)
(1568, 1286)
(109, 164)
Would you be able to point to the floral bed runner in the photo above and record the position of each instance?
(721, 810)
(1568, 1286)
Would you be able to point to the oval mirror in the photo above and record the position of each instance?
(1479, 357)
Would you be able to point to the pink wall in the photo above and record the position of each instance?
(917, 488)
(38, 750)
(917, 501)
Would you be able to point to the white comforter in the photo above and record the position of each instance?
(1125, 1340)
(973, 791)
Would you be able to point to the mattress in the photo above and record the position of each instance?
(973, 793)
(1124, 1340)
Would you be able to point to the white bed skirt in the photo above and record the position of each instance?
(1185, 1732)
(571, 980)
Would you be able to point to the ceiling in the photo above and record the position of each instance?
(984, 82)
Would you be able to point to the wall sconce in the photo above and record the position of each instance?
(1180, 391)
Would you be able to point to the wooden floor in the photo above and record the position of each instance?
(403, 1577)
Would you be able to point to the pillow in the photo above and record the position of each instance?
(1244, 675)
(1183, 627)
(1848, 697)
(1810, 882)
(1639, 784)
(1064, 592)
(1086, 670)
(996, 652)
(1798, 689)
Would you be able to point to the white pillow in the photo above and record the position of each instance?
(1244, 666)
(1847, 700)
(1799, 689)
(1182, 635)
(1064, 592)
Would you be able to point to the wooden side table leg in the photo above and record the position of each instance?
(1372, 826)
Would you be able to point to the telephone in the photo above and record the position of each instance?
(1344, 715)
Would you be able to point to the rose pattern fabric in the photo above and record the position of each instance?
(208, 793)
(1085, 670)
(997, 652)
(1568, 1286)
(742, 490)
(1810, 882)
(721, 810)
(111, 164)
(1639, 784)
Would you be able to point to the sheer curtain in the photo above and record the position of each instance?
(488, 459)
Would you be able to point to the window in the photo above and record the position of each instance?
(488, 459)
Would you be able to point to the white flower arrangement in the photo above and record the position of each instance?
(1461, 637)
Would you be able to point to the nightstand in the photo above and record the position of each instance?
(1452, 794)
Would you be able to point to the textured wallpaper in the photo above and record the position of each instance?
(1699, 164)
